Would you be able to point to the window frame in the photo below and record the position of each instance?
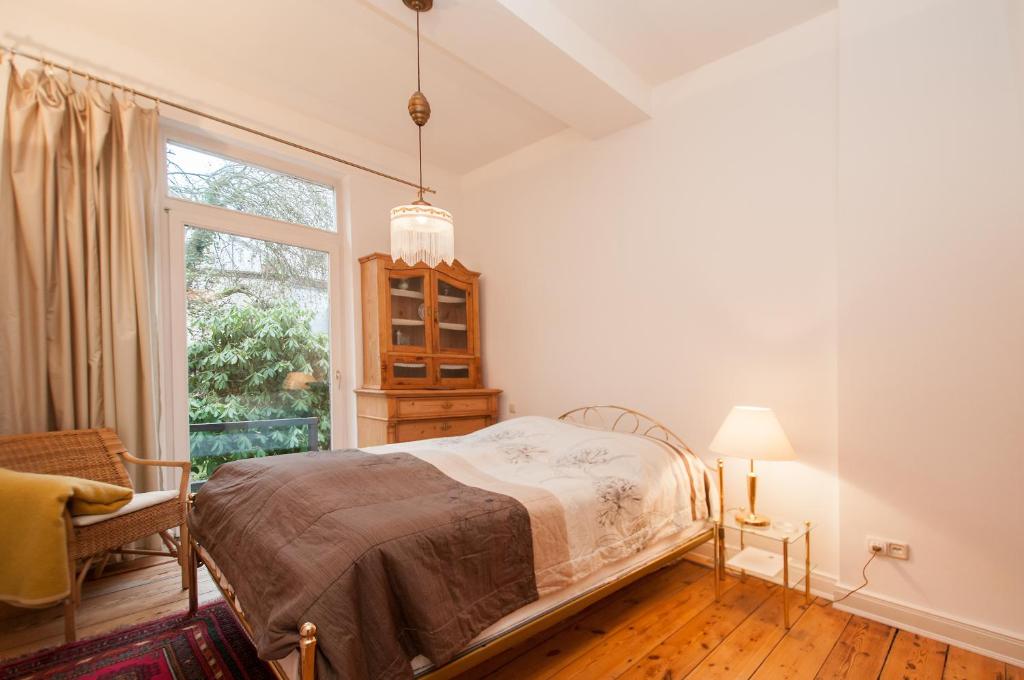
(177, 214)
(231, 153)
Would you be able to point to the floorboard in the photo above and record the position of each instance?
(557, 652)
(666, 626)
(610, 657)
(860, 652)
(914, 657)
(803, 650)
(747, 646)
(683, 650)
(964, 665)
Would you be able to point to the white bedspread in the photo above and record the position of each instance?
(594, 497)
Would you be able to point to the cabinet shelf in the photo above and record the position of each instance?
(400, 292)
(407, 322)
(452, 326)
(451, 299)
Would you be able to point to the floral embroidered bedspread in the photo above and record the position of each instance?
(594, 497)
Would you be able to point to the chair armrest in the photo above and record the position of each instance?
(185, 466)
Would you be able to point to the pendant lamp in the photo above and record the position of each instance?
(421, 232)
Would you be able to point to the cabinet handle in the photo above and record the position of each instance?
(447, 405)
(445, 427)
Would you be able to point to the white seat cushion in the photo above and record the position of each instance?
(138, 502)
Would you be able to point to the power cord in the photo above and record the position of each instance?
(863, 574)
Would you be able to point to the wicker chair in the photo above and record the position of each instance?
(100, 455)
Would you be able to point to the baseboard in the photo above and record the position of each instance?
(930, 624)
(968, 636)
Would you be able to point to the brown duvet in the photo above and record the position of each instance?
(388, 556)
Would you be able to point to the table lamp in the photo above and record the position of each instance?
(752, 432)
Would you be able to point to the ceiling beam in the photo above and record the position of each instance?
(534, 50)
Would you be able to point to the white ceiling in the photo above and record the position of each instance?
(500, 74)
(662, 39)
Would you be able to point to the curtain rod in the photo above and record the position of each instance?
(47, 63)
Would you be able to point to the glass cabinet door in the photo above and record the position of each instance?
(452, 318)
(409, 312)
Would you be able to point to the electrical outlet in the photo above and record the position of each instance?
(897, 551)
(877, 545)
(512, 408)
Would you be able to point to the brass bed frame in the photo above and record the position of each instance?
(610, 418)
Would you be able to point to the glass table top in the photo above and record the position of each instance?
(778, 530)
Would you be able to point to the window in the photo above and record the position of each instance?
(203, 177)
(254, 314)
(258, 317)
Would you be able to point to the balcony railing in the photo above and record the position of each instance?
(311, 425)
(242, 425)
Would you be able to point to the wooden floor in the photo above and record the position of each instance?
(664, 627)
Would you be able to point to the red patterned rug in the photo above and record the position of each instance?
(210, 645)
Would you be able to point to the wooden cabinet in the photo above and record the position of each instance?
(421, 353)
(393, 416)
(420, 325)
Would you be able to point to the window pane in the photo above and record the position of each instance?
(203, 177)
(258, 351)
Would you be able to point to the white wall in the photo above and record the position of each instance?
(681, 266)
(931, 303)
(704, 259)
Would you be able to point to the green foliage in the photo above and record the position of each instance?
(238, 359)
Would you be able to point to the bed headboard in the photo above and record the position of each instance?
(622, 419)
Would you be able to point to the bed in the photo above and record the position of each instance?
(458, 547)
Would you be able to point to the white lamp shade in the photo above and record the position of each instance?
(753, 432)
(422, 233)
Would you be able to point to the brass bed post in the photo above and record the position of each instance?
(307, 651)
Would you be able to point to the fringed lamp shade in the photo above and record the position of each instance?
(422, 233)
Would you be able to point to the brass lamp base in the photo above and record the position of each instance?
(752, 520)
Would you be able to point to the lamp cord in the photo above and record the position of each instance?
(863, 575)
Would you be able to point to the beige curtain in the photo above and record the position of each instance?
(77, 217)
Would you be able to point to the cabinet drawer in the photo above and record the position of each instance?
(408, 431)
(449, 406)
(408, 371)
